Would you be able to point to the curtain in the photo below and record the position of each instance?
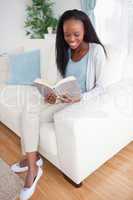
(130, 25)
(111, 19)
(111, 22)
(88, 7)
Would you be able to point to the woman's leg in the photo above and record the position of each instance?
(30, 137)
(30, 128)
(30, 132)
(29, 102)
(32, 168)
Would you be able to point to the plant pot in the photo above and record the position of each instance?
(50, 30)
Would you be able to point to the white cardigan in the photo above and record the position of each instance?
(96, 61)
(95, 66)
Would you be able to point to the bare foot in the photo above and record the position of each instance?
(31, 174)
(24, 162)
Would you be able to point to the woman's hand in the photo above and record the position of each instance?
(68, 99)
(51, 98)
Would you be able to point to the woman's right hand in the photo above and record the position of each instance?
(50, 98)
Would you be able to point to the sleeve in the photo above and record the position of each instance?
(98, 63)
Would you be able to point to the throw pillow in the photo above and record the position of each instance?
(24, 68)
(4, 64)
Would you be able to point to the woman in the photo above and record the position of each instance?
(79, 53)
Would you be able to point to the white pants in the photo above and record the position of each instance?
(34, 111)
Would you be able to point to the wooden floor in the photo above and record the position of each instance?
(113, 181)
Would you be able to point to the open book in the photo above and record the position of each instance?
(67, 86)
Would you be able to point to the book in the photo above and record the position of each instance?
(67, 86)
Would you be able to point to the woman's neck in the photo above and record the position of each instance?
(84, 46)
(78, 53)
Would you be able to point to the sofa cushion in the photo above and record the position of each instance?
(47, 56)
(4, 64)
(127, 72)
(24, 68)
(112, 71)
(115, 103)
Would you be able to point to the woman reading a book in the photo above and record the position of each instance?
(79, 53)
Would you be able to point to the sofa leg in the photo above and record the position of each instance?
(73, 183)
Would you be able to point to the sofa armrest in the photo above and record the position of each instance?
(115, 102)
(82, 109)
(87, 137)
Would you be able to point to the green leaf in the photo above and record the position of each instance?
(39, 17)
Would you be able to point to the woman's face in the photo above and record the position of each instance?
(73, 33)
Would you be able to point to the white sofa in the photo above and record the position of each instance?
(86, 134)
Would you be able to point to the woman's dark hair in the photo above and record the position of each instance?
(90, 36)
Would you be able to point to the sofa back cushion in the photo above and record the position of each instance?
(116, 65)
(127, 72)
(47, 56)
(112, 71)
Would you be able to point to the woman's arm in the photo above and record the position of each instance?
(99, 59)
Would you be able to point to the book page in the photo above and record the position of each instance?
(67, 86)
(70, 88)
(65, 80)
(42, 82)
(43, 89)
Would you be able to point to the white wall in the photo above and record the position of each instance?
(12, 14)
(61, 5)
(11, 23)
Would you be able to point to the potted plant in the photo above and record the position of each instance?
(39, 19)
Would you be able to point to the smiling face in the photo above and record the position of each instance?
(73, 33)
